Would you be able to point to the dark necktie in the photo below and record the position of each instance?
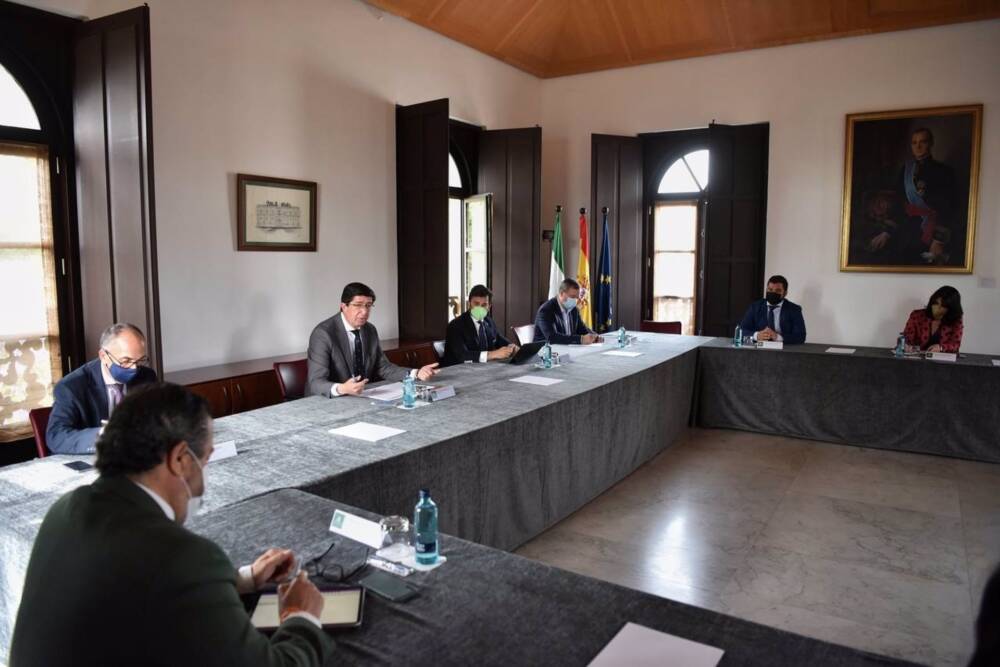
(484, 345)
(770, 318)
(359, 355)
(114, 397)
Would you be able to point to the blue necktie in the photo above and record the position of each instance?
(359, 355)
(770, 318)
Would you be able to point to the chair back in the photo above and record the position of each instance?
(292, 378)
(39, 418)
(524, 333)
(660, 327)
(439, 349)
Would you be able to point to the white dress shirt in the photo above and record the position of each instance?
(335, 389)
(244, 576)
(777, 321)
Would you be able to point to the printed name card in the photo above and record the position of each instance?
(943, 356)
(355, 528)
(996, 362)
(840, 350)
(771, 345)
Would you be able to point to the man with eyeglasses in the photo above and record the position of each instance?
(85, 398)
(344, 350)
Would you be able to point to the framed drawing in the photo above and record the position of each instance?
(910, 189)
(275, 213)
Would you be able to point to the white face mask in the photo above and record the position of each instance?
(194, 503)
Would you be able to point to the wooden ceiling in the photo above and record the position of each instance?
(550, 38)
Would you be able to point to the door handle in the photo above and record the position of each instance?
(239, 392)
(229, 405)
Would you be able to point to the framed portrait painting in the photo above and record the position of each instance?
(910, 190)
(275, 213)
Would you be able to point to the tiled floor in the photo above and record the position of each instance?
(883, 551)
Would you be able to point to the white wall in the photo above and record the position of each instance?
(304, 90)
(804, 92)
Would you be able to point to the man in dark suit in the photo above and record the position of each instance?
(88, 395)
(344, 351)
(774, 317)
(473, 335)
(559, 322)
(115, 579)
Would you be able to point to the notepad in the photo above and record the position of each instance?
(536, 379)
(388, 393)
(841, 350)
(638, 646)
(366, 431)
(223, 450)
(622, 353)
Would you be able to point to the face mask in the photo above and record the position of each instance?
(773, 298)
(122, 374)
(194, 502)
(478, 313)
(569, 304)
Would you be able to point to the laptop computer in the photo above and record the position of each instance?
(527, 353)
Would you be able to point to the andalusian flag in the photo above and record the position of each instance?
(602, 297)
(583, 272)
(557, 273)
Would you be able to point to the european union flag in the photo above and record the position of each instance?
(603, 297)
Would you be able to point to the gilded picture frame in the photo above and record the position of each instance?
(911, 185)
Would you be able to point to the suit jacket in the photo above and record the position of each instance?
(81, 402)
(113, 581)
(331, 361)
(918, 332)
(462, 342)
(793, 326)
(549, 324)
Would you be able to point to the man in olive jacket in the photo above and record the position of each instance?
(115, 579)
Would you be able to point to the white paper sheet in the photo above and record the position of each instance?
(841, 350)
(536, 379)
(622, 353)
(223, 450)
(366, 431)
(638, 646)
(996, 362)
(388, 392)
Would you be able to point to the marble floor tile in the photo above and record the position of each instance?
(887, 460)
(908, 604)
(864, 636)
(879, 486)
(695, 577)
(902, 541)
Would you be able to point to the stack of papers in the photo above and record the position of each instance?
(367, 432)
(387, 393)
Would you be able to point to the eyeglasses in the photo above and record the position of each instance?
(333, 573)
(126, 362)
(360, 306)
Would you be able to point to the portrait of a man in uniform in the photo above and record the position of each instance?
(910, 188)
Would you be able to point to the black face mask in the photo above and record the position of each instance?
(773, 298)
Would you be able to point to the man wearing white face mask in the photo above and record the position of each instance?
(117, 579)
(559, 322)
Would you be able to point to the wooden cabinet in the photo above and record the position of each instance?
(414, 356)
(230, 396)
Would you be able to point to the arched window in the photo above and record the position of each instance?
(454, 175)
(15, 107)
(688, 174)
(30, 360)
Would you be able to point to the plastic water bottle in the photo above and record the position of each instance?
(409, 392)
(738, 337)
(425, 526)
(547, 355)
(622, 338)
(900, 345)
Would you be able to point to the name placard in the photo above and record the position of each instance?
(355, 528)
(943, 356)
(771, 344)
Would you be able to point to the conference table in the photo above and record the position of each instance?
(489, 607)
(867, 397)
(504, 460)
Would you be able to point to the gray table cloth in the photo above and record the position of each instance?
(868, 398)
(506, 459)
(489, 607)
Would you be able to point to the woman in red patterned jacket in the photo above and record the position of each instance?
(938, 327)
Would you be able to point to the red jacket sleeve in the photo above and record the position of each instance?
(912, 329)
(951, 337)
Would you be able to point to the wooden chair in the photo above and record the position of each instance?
(39, 418)
(660, 327)
(292, 378)
(524, 333)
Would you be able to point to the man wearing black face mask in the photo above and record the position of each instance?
(775, 318)
(86, 397)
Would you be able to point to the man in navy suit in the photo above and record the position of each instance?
(473, 335)
(88, 395)
(774, 317)
(558, 321)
